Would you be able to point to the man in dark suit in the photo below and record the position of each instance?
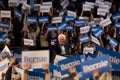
(60, 48)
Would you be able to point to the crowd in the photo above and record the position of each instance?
(67, 37)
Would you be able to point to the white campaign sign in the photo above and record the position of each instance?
(22, 1)
(29, 42)
(47, 4)
(101, 11)
(87, 50)
(44, 9)
(13, 3)
(87, 7)
(84, 29)
(105, 22)
(95, 40)
(35, 58)
(58, 58)
(56, 19)
(65, 3)
(6, 14)
(3, 66)
(71, 13)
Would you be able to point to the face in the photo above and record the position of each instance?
(61, 40)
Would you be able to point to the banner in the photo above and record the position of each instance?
(47, 4)
(98, 33)
(5, 24)
(114, 57)
(65, 3)
(62, 25)
(105, 22)
(43, 19)
(95, 40)
(85, 29)
(35, 58)
(32, 75)
(101, 11)
(87, 50)
(71, 13)
(28, 42)
(69, 18)
(100, 65)
(31, 20)
(17, 54)
(84, 38)
(113, 42)
(6, 14)
(44, 9)
(117, 25)
(86, 7)
(68, 63)
(56, 19)
(58, 58)
(37, 7)
(52, 28)
(13, 3)
(3, 66)
(80, 22)
(18, 13)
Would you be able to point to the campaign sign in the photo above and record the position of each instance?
(69, 27)
(114, 57)
(71, 13)
(17, 54)
(35, 58)
(115, 75)
(32, 20)
(58, 58)
(101, 64)
(65, 3)
(69, 18)
(52, 28)
(87, 50)
(6, 14)
(12, 3)
(68, 63)
(47, 4)
(5, 24)
(98, 33)
(95, 28)
(105, 22)
(117, 25)
(55, 71)
(29, 42)
(32, 75)
(80, 22)
(116, 16)
(26, 6)
(37, 7)
(18, 13)
(84, 38)
(113, 42)
(86, 7)
(3, 66)
(101, 11)
(95, 40)
(44, 9)
(84, 29)
(56, 19)
(62, 25)
(43, 19)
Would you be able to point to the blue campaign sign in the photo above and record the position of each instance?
(17, 54)
(31, 20)
(5, 24)
(113, 42)
(115, 75)
(114, 57)
(32, 75)
(84, 38)
(117, 25)
(69, 27)
(116, 16)
(101, 65)
(43, 19)
(18, 13)
(67, 18)
(52, 28)
(68, 63)
(62, 25)
(80, 22)
(98, 33)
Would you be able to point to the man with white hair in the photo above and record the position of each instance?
(60, 48)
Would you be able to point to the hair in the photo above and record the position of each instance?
(61, 36)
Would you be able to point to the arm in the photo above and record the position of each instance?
(47, 72)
